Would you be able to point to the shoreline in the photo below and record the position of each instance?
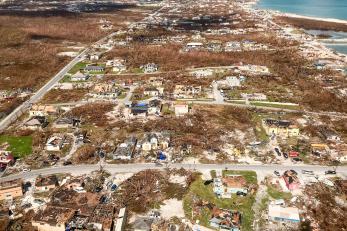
(291, 15)
(295, 15)
(332, 42)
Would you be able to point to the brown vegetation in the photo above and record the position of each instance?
(92, 113)
(203, 129)
(63, 96)
(29, 45)
(328, 214)
(150, 187)
(85, 154)
(6, 107)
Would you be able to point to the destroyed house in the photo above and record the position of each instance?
(102, 217)
(11, 189)
(139, 108)
(36, 122)
(125, 150)
(224, 219)
(6, 158)
(291, 179)
(46, 183)
(329, 134)
(55, 143)
(53, 218)
(66, 122)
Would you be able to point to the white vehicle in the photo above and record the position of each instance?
(26, 170)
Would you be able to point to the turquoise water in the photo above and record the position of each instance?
(339, 48)
(314, 8)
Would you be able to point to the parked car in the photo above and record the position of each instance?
(285, 155)
(39, 201)
(239, 193)
(277, 173)
(296, 159)
(67, 163)
(330, 172)
(25, 206)
(207, 182)
(307, 172)
(114, 187)
(277, 150)
(26, 170)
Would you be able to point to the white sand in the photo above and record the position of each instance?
(172, 208)
(177, 179)
(315, 18)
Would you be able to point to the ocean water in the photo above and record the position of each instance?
(314, 8)
(341, 48)
(336, 9)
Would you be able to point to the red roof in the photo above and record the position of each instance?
(293, 154)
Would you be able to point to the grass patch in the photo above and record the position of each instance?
(290, 107)
(199, 191)
(77, 67)
(66, 78)
(137, 70)
(236, 101)
(122, 95)
(213, 173)
(258, 129)
(19, 146)
(250, 176)
(276, 194)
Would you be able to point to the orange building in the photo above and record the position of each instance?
(11, 189)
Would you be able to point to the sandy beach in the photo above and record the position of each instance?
(312, 18)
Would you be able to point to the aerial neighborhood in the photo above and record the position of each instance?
(174, 115)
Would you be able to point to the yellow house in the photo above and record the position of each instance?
(280, 128)
(11, 189)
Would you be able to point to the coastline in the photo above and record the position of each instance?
(331, 42)
(275, 12)
(291, 15)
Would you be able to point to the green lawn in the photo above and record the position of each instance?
(77, 67)
(122, 95)
(258, 128)
(205, 192)
(250, 176)
(290, 107)
(19, 146)
(137, 70)
(276, 194)
(236, 101)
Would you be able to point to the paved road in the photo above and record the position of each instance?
(122, 168)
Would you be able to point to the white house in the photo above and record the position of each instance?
(194, 45)
(79, 76)
(283, 214)
(151, 91)
(150, 67)
(95, 56)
